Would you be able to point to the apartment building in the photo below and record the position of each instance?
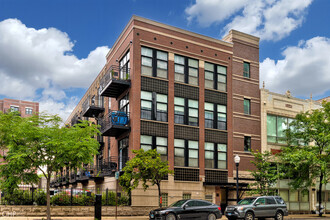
(277, 111)
(193, 98)
(25, 108)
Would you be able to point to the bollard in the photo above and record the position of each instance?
(98, 207)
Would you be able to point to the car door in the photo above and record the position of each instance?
(260, 208)
(271, 206)
(201, 209)
(188, 211)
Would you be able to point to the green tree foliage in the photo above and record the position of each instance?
(265, 174)
(40, 144)
(147, 167)
(307, 156)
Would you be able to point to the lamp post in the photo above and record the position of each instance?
(237, 160)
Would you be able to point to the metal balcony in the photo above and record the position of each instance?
(115, 82)
(114, 124)
(92, 106)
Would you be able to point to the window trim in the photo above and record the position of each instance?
(154, 103)
(216, 76)
(215, 113)
(247, 74)
(186, 69)
(247, 138)
(249, 110)
(186, 115)
(154, 145)
(216, 151)
(154, 62)
(186, 152)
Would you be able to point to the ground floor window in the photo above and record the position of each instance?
(165, 199)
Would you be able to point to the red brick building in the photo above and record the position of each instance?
(25, 108)
(193, 98)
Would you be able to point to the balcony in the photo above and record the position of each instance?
(115, 82)
(114, 124)
(92, 106)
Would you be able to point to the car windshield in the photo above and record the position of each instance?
(178, 203)
(246, 201)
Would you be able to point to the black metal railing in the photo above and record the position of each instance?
(114, 118)
(95, 101)
(116, 73)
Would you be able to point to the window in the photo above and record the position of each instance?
(215, 116)
(153, 62)
(209, 198)
(164, 199)
(124, 104)
(193, 153)
(215, 155)
(247, 143)
(270, 201)
(186, 196)
(186, 70)
(261, 201)
(246, 69)
(185, 111)
(276, 126)
(279, 200)
(124, 66)
(215, 77)
(153, 106)
(28, 111)
(150, 142)
(14, 108)
(185, 153)
(247, 108)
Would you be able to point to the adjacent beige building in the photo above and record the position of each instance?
(277, 110)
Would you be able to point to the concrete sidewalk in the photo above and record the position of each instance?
(308, 216)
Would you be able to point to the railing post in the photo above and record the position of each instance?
(98, 207)
(71, 196)
(106, 196)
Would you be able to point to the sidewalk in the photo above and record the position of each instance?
(308, 216)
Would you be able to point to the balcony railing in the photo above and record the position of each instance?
(114, 124)
(115, 81)
(92, 106)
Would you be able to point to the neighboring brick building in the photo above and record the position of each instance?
(194, 98)
(25, 108)
(277, 111)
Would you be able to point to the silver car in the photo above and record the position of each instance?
(258, 207)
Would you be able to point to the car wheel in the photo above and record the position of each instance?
(278, 216)
(170, 216)
(211, 216)
(249, 216)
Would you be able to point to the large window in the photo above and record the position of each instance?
(215, 116)
(124, 65)
(185, 111)
(153, 62)
(247, 106)
(276, 126)
(246, 69)
(152, 142)
(14, 108)
(28, 111)
(153, 106)
(186, 70)
(215, 155)
(215, 77)
(185, 153)
(124, 104)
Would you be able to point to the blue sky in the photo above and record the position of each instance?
(50, 51)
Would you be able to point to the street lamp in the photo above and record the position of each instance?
(237, 160)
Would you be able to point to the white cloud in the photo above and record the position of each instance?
(268, 19)
(304, 69)
(60, 108)
(32, 59)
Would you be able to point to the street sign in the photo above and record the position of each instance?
(117, 175)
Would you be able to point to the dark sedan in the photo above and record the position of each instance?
(187, 209)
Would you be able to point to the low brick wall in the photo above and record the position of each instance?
(11, 210)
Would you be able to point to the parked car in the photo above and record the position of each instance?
(187, 209)
(258, 207)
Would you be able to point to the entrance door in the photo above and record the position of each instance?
(123, 153)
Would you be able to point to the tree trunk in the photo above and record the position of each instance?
(48, 198)
(320, 194)
(159, 195)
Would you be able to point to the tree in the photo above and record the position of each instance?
(265, 175)
(307, 156)
(40, 144)
(147, 167)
